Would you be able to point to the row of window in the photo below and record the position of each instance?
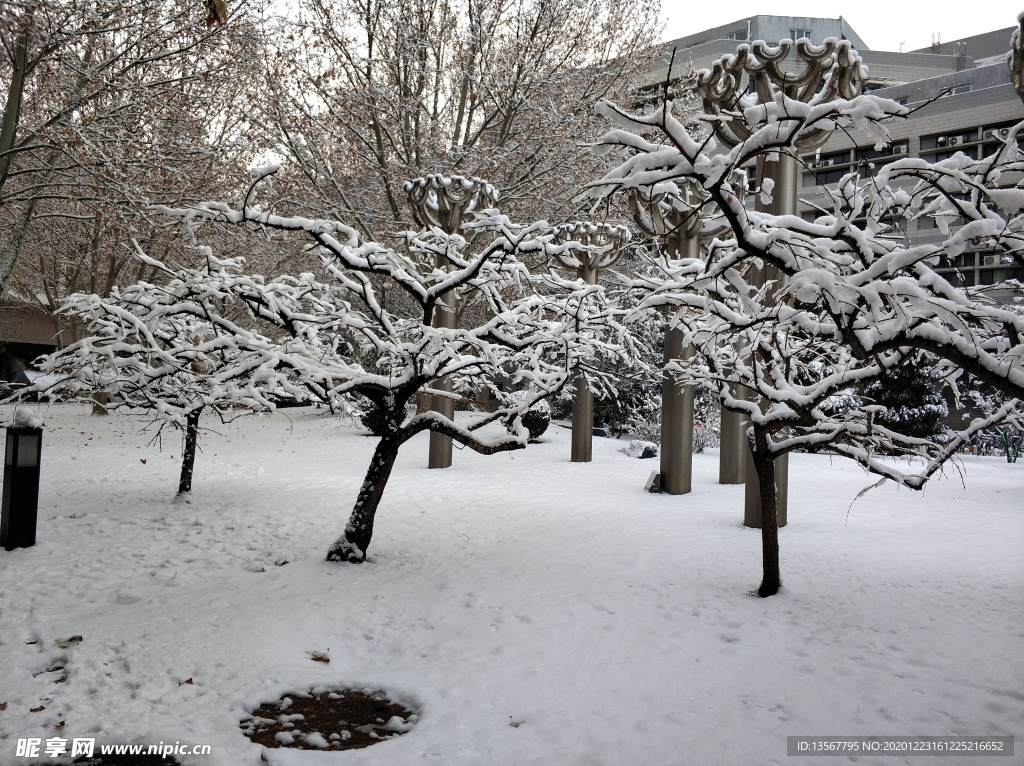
(829, 168)
(823, 169)
(983, 276)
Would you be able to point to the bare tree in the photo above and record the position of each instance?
(108, 105)
(371, 92)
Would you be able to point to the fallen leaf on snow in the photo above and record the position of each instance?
(36, 709)
(186, 681)
(319, 656)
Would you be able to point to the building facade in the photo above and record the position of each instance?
(959, 94)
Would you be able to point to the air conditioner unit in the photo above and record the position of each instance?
(899, 149)
(828, 163)
(954, 140)
(941, 140)
(990, 260)
(997, 134)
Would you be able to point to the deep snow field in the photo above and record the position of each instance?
(614, 626)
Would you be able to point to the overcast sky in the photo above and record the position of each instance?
(882, 24)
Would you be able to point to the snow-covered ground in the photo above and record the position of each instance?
(617, 626)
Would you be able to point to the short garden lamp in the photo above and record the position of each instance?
(601, 246)
(21, 481)
(446, 203)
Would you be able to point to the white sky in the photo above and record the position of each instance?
(882, 24)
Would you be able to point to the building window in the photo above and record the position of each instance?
(796, 34)
(739, 34)
(949, 141)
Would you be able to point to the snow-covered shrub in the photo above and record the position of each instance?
(372, 418)
(707, 420)
(640, 448)
(913, 401)
(646, 425)
(536, 419)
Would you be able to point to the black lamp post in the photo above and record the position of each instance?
(21, 487)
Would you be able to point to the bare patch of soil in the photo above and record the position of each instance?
(346, 719)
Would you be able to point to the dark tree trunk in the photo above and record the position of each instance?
(12, 107)
(188, 456)
(352, 545)
(764, 464)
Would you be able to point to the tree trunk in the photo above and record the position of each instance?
(352, 545)
(188, 456)
(765, 466)
(12, 107)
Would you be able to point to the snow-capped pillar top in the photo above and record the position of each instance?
(830, 70)
(605, 242)
(447, 202)
(1016, 59)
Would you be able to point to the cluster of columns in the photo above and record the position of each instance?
(444, 203)
(679, 233)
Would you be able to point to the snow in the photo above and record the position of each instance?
(611, 626)
(27, 418)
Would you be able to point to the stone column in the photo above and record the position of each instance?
(440, 455)
(819, 72)
(583, 401)
(677, 399)
(676, 421)
(604, 245)
(733, 449)
(446, 203)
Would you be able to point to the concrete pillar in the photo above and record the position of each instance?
(733, 449)
(784, 172)
(440, 445)
(676, 422)
(583, 404)
(752, 492)
(677, 399)
(582, 422)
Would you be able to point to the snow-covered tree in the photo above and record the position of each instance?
(788, 315)
(912, 399)
(374, 337)
(189, 342)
